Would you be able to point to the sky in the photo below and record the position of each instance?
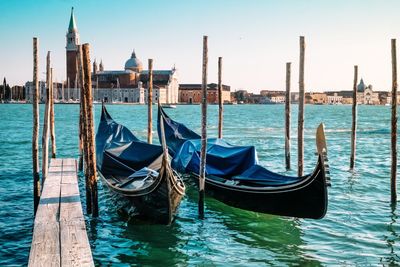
(255, 38)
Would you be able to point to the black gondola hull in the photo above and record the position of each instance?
(308, 199)
(158, 206)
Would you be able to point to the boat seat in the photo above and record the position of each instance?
(139, 178)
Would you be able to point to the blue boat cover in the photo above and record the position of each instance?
(175, 133)
(222, 159)
(118, 151)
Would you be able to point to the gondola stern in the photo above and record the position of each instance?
(322, 151)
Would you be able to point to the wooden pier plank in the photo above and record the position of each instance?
(60, 237)
(75, 247)
(45, 249)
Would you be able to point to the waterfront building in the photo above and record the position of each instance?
(191, 93)
(278, 99)
(319, 98)
(347, 97)
(366, 95)
(128, 85)
(17, 93)
(294, 97)
(333, 98)
(29, 91)
(274, 96)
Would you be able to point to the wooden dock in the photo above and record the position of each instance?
(59, 235)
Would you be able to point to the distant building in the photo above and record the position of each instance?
(278, 99)
(72, 38)
(294, 97)
(319, 98)
(191, 93)
(385, 97)
(29, 91)
(365, 94)
(17, 93)
(127, 85)
(274, 96)
(347, 97)
(334, 98)
(240, 96)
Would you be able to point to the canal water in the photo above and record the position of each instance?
(360, 228)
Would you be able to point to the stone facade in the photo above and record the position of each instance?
(366, 95)
(29, 91)
(191, 93)
(334, 98)
(319, 98)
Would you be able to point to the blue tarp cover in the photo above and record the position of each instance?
(223, 159)
(118, 151)
(175, 133)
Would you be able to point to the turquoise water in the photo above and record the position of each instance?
(360, 228)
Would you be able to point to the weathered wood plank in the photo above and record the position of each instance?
(60, 236)
(45, 248)
(75, 247)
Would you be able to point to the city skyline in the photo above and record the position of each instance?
(255, 39)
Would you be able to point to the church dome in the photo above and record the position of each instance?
(361, 86)
(134, 63)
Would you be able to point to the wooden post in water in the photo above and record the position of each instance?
(68, 89)
(81, 109)
(202, 173)
(149, 104)
(45, 134)
(90, 128)
(354, 120)
(393, 172)
(52, 129)
(80, 160)
(287, 116)
(300, 139)
(220, 103)
(84, 133)
(35, 135)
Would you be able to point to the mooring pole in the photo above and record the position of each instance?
(90, 125)
(84, 133)
(35, 135)
(149, 104)
(52, 129)
(202, 174)
(68, 90)
(62, 92)
(287, 117)
(45, 134)
(80, 160)
(81, 108)
(354, 120)
(393, 173)
(220, 102)
(300, 139)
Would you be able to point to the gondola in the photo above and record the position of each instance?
(234, 177)
(137, 172)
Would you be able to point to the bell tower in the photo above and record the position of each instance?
(72, 48)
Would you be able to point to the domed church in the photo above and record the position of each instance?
(128, 85)
(134, 64)
(365, 94)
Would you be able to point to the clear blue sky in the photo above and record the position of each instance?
(255, 38)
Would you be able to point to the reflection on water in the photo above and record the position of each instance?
(391, 238)
(360, 227)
